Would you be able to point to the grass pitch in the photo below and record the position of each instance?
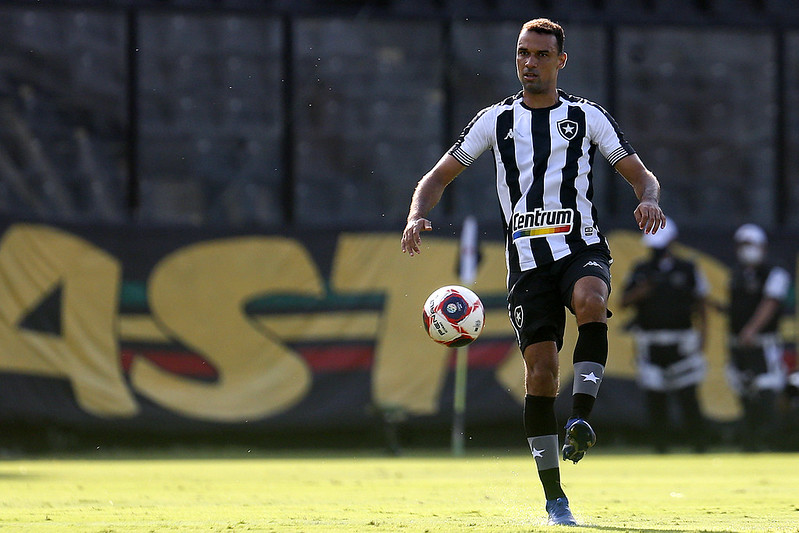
(487, 491)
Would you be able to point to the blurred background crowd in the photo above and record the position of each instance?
(275, 113)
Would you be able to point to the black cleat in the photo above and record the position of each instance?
(579, 438)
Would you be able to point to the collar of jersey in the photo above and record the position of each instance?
(541, 109)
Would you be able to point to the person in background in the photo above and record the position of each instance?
(669, 296)
(755, 371)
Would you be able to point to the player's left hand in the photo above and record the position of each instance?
(650, 217)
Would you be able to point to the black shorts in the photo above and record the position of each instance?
(538, 298)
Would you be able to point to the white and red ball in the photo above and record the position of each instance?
(453, 316)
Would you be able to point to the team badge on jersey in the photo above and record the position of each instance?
(541, 223)
(568, 129)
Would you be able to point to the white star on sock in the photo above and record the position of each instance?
(538, 453)
(590, 377)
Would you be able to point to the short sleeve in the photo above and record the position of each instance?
(702, 288)
(605, 133)
(778, 283)
(476, 138)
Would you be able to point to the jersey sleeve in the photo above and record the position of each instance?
(702, 288)
(778, 283)
(605, 133)
(476, 138)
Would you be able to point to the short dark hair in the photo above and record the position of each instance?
(548, 27)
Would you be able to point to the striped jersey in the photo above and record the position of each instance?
(544, 160)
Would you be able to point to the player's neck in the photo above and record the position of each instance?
(540, 100)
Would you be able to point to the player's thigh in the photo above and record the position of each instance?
(592, 261)
(536, 311)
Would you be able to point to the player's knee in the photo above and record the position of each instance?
(590, 300)
(541, 376)
(541, 383)
(590, 305)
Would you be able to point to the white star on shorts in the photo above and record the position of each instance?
(590, 377)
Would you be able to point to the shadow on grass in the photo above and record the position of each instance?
(18, 475)
(644, 530)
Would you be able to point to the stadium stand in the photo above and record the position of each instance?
(274, 112)
(64, 102)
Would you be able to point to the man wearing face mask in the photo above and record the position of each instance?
(755, 371)
(669, 294)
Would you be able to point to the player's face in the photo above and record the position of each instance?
(538, 62)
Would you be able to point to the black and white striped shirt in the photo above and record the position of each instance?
(544, 160)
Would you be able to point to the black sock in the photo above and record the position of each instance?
(541, 428)
(590, 357)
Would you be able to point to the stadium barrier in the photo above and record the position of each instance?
(179, 331)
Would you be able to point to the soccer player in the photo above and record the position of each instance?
(543, 142)
(669, 295)
(755, 371)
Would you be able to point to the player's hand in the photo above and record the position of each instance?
(650, 217)
(746, 337)
(412, 238)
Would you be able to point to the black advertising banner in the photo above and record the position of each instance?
(176, 330)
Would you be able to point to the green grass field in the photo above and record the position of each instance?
(235, 490)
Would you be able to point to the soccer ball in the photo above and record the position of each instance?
(453, 316)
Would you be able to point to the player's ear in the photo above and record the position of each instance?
(563, 59)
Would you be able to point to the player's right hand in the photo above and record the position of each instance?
(412, 238)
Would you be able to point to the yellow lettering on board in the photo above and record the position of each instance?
(197, 295)
(409, 368)
(37, 260)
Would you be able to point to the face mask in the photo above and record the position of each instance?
(751, 254)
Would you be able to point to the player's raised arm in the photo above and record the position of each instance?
(426, 195)
(648, 214)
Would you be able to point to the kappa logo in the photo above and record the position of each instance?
(568, 129)
(593, 264)
(518, 316)
(509, 135)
